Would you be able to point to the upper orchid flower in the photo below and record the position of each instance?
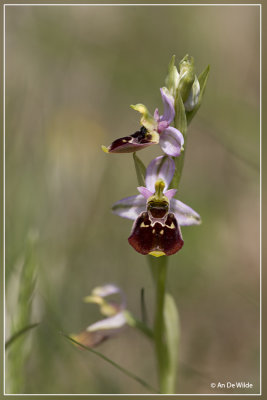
(99, 331)
(156, 213)
(154, 129)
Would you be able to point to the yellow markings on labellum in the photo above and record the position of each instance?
(157, 253)
(162, 231)
(143, 225)
(172, 226)
(154, 136)
(105, 149)
(153, 231)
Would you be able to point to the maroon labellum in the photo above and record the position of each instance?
(156, 238)
(134, 142)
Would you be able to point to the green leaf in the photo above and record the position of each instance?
(202, 78)
(172, 329)
(114, 364)
(180, 121)
(140, 170)
(19, 334)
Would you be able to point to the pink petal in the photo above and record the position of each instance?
(168, 102)
(171, 141)
(170, 193)
(160, 168)
(130, 207)
(185, 215)
(145, 192)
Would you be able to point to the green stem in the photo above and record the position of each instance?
(159, 327)
(179, 161)
(159, 268)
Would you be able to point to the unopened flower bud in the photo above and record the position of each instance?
(172, 79)
(193, 97)
(187, 76)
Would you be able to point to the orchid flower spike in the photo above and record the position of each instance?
(154, 129)
(99, 331)
(157, 215)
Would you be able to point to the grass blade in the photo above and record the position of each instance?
(125, 371)
(19, 333)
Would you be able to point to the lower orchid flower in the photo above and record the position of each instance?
(154, 129)
(101, 330)
(157, 215)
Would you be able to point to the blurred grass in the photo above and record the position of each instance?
(19, 351)
(71, 74)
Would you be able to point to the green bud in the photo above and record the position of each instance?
(187, 76)
(193, 97)
(202, 79)
(172, 79)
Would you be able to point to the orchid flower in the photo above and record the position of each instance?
(154, 129)
(157, 215)
(99, 331)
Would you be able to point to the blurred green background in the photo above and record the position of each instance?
(71, 74)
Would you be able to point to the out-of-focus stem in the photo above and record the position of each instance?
(136, 323)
